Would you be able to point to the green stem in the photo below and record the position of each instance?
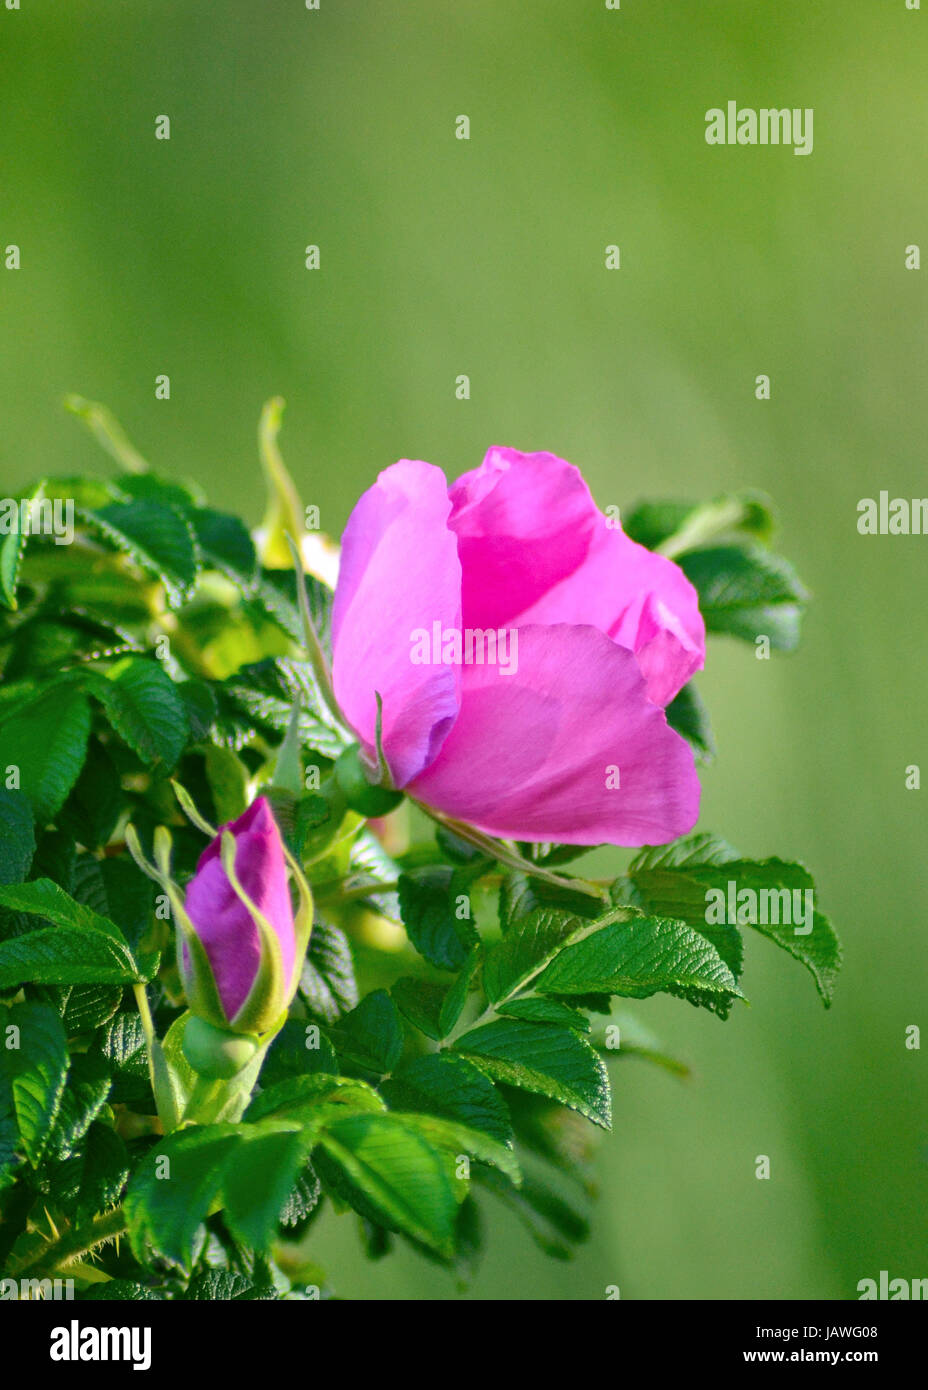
(340, 892)
(157, 1064)
(311, 644)
(70, 1246)
(511, 858)
(148, 1026)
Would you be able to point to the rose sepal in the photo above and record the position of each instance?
(196, 972)
(201, 1099)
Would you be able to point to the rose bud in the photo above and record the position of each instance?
(554, 730)
(242, 951)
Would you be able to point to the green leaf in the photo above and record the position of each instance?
(313, 1100)
(682, 854)
(12, 546)
(17, 837)
(94, 1177)
(200, 707)
(660, 889)
(117, 889)
(456, 997)
(688, 715)
(96, 801)
(675, 527)
(327, 983)
(546, 1011)
(639, 958)
(88, 1087)
(144, 707)
(302, 1202)
(529, 943)
(10, 1158)
(258, 1183)
(299, 1049)
(150, 487)
(371, 1035)
(420, 1001)
(544, 1058)
(172, 1191)
(47, 741)
(558, 1135)
(523, 893)
(448, 1085)
(122, 1042)
(32, 1074)
(747, 592)
(428, 914)
(155, 536)
(80, 948)
(85, 1007)
(276, 597)
(461, 1139)
(226, 1286)
(227, 776)
(226, 545)
(695, 875)
(370, 862)
(122, 1291)
(391, 1175)
(554, 1223)
(651, 523)
(51, 640)
(259, 697)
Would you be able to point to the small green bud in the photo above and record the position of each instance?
(360, 793)
(215, 1052)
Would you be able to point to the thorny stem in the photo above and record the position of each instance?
(74, 1243)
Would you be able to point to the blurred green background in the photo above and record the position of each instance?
(486, 257)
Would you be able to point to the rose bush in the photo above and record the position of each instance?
(212, 1039)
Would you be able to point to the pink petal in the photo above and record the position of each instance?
(523, 523)
(536, 549)
(530, 753)
(399, 572)
(223, 924)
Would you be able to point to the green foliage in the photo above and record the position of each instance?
(747, 592)
(450, 1036)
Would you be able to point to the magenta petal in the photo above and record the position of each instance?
(536, 549)
(221, 920)
(523, 523)
(641, 600)
(531, 754)
(399, 572)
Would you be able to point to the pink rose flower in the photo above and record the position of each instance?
(563, 736)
